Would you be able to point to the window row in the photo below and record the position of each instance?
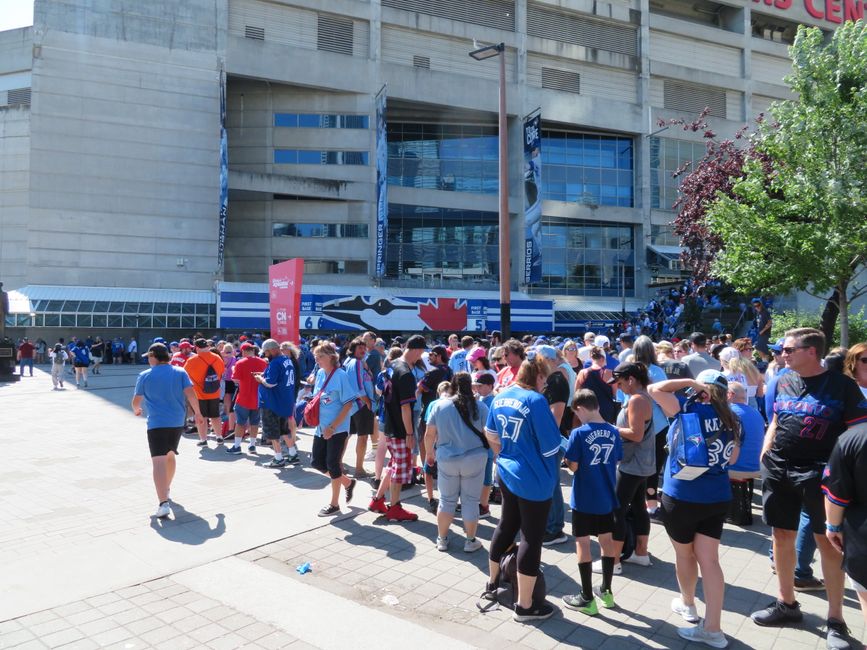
(332, 267)
(115, 307)
(115, 321)
(316, 157)
(587, 168)
(341, 230)
(321, 121)
(667, 155)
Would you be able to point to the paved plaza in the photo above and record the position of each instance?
(85, 566)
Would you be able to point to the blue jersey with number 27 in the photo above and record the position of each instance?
(528, 463)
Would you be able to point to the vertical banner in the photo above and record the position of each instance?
(284, 298)
(532, 199)
(224, 172)
(381, 183)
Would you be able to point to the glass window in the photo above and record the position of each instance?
(330, 267)
(341, 230)
(23, 320)
(587, 168)
(101, 307)
(321, 121)
(449, 157)
(145, 321)
(132, 308)
(67, 320)
(188, 322)
(317, 157)
(203, 321)
(115, 321)
(174, 308)
(54, 305)
(70, 306)
(115, 307)
(443, 245)
(173, 321)
(86, 306)
(85, 320)
(52, 320)
(188, 308)
(668, 155)
(159, 321)
(160, 307)
(100, 320)
(586, 258)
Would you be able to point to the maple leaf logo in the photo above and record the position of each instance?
(443, 314)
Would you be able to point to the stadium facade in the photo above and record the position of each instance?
(113, 182)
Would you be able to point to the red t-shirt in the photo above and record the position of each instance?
(179, 359)
(506, 377)
(247, 394)
(26, 349)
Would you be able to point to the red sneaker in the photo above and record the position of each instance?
(397, 513)
(378, 505)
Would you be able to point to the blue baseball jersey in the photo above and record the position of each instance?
(528, 463)
(597, 448)
(280, 398)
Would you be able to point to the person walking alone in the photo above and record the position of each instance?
(164, 391)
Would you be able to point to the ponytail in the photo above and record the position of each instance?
(464, 400)
(720, 403)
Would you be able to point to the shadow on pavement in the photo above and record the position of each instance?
(187, 527)
(379, 537)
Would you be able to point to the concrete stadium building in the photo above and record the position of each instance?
(110, 133)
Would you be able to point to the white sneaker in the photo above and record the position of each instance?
(442, 543)
(687, 612)
(472, 545)
(640, 560)
(370, 455)
(698, 633)
(597, 568)
(163, 511)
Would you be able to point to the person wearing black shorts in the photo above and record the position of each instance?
(592, 453)
(361, 381)
(694, 511)
(164, 391)
(812, 406)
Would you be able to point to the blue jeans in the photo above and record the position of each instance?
(556, 514)
(805, 547)
(28, 363)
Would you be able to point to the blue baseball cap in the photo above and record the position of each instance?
(777, 347)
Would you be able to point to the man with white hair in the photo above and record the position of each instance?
(589, 342)
(277, 402)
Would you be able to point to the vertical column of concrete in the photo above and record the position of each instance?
(642, 157)
(378, 81)
(521, 103)
(746, 21)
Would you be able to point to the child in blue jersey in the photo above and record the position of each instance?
(593, 452)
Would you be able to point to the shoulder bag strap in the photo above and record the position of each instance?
(472, 428)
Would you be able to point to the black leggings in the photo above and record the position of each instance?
(530, 518)
(661, 456)
(630, 496)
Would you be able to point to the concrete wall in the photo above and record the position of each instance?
(124, 161)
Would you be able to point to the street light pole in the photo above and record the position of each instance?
(481, 54)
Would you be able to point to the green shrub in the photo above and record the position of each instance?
(787, 320)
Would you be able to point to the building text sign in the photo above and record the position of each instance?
(831, 11)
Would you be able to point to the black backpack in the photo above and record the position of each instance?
(506, 593)
(211, 382)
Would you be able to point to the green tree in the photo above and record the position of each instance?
(801, 224)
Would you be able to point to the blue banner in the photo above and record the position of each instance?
(381, 184)
(532, 199)
(224, 173)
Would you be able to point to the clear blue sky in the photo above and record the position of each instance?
(15, 13)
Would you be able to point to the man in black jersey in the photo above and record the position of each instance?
(812, 407)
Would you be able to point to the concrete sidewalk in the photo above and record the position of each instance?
(86, 565)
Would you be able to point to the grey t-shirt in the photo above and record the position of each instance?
(454, 438)
(698, 361)
(639, 458)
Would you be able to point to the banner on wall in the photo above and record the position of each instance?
(224, 173)
(284, 298)
(532, 198)
(381, 184)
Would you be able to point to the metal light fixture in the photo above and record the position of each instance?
(480, 54)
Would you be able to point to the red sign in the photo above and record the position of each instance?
(284, 298)
(832, 11)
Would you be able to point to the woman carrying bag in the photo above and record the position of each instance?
(454, 440)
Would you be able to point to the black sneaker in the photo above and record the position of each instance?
(329, 510)
(234, 450)
(837, 635)
(778, 613)
(537, 612)
(349, 489)
(292, 460)
(809, 584)
(202, 443)
(375, 483)
(432, 505)
(552, 539)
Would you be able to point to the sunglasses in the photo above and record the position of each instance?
(570, 348)
(792, 350)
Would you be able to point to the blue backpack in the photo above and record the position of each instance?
(687, 447)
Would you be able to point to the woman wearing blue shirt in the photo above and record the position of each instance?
(336, 404)
(694, 510)
(522, 430)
